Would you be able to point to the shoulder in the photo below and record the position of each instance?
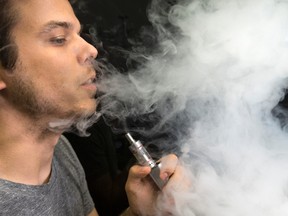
(64, 148)
(71, 176)
(63, 144)
(66, 158)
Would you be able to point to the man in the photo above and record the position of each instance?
(47, 83)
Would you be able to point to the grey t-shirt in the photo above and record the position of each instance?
(66, 193)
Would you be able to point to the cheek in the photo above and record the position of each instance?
(54, 74)
(49, 75)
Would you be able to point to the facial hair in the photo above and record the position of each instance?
(25, 97)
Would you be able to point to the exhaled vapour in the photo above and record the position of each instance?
(227, 71)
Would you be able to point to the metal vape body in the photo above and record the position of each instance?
(144, 158)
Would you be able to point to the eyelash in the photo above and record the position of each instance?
(59, 41)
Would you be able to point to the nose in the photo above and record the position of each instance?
(87, 53)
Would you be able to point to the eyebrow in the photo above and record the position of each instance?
(55, 24)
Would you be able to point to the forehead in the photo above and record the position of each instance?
(34, 14)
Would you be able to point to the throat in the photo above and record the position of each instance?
(26, 162)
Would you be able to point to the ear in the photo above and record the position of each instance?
(2, 83)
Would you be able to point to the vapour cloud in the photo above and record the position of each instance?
(226, 71)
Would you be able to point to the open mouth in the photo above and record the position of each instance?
(90, 84)
(90, 81)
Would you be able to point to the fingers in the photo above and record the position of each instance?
(178, 176)
(138, 171)
(136, 175)
(168, 166)
(140, 192)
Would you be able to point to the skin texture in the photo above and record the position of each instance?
(51, 77)
(51, 83)
(54, 62)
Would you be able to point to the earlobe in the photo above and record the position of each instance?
(2, 82)
(2, 85)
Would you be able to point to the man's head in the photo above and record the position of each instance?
(46, 68)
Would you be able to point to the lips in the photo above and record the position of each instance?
(90, 81)
(90, 84)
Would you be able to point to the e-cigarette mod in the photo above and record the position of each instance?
(144, 158)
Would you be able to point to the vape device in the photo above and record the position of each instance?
(144, 158)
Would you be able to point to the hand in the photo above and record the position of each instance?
(142, 192)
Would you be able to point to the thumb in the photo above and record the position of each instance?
(139, 172)
(136, 175)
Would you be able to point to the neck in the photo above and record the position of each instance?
(26, 149)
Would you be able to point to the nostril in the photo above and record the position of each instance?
(90, 60)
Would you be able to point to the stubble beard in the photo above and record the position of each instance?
(25, 97)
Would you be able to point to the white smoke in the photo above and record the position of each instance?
(228, 70)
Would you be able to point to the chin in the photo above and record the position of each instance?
(88, 109)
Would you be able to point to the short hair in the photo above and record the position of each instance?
(8, 19)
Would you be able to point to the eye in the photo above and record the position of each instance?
(58, 40)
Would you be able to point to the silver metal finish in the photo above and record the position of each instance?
(144, 158)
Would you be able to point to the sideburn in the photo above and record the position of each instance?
(8, 56)
(21, 94)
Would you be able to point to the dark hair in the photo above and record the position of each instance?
(8, 19)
